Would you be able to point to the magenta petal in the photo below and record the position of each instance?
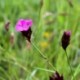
(23, 25)
(18, 28)
(29, 22)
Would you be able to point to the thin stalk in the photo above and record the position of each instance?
(42, 55)
(68, 62)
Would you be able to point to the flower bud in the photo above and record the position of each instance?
(65, 39)
(56, 76)
(7, 26)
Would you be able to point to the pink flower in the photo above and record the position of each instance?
(23, 25)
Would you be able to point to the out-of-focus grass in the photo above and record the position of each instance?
(17, 62)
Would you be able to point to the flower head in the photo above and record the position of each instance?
(24, 26)
(7, 25)
(44, 44)
(66, 39)
(56, 76)
(46, 34)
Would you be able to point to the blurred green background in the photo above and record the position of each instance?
(20, 60)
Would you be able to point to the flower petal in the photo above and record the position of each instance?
(23, 25)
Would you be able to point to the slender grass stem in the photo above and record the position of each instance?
(45, 70)
(68, 62)
(43, 56)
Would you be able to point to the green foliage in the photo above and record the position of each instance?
(50, 19)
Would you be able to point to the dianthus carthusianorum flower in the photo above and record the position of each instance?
(24, 26)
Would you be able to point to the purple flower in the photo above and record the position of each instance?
(56, 76)
(24, 26)
(66, 39)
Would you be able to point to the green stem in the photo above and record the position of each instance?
(43, 56)
(68, 61)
